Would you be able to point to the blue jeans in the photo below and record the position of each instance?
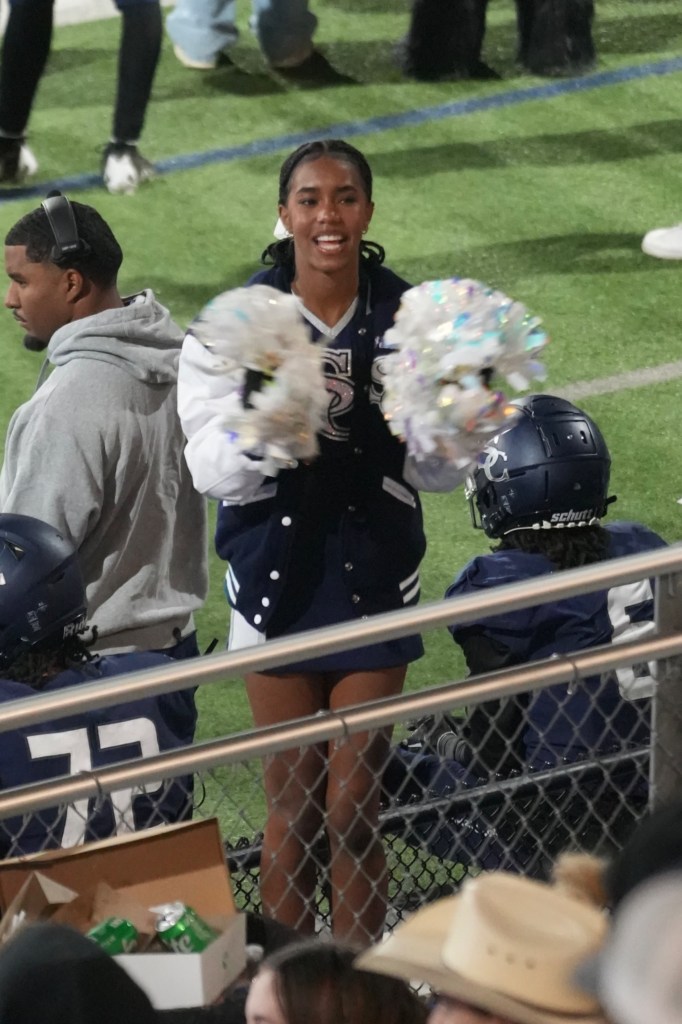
(204, 28)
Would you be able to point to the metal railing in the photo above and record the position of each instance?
(477, 826)
(665, 563)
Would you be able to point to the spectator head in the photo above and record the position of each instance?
(42, 596)
(504, 947)
(53, 975)
(315, 982)
(62, 261)
(638, 974)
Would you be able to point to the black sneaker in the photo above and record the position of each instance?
(17, 162)
(314, 70)
(124, 168)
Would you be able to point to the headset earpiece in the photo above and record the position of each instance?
(68, 244)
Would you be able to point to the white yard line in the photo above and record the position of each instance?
(622, 381)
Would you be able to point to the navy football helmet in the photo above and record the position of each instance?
(42, 594)
(549, 469)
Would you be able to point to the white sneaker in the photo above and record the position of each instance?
(17, 161)
(124, 168)
(664, 243)
(195, 65)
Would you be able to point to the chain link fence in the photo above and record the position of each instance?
(503, 771)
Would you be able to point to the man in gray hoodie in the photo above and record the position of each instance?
(98, 450)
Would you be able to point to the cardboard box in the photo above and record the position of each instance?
(127, 875)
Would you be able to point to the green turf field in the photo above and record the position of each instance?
(546, 199)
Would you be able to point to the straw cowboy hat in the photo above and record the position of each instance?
(505, 944)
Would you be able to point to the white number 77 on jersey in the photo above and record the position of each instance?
(75, 744)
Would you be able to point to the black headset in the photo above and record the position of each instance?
(68, 244)
(62, 221)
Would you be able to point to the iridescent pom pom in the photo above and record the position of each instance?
(450, 337)
(259, 335)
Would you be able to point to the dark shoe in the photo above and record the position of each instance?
(315, 69)
(452, 72)
(124, 168)
(483, 72)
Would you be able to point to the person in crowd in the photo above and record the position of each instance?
(203, 32)
(53, 974)
(337, 538)
(637, 975)
(98, 449)
(25, 51)
(317, 981)
(43, 650)
(504, 949)
(540, 490)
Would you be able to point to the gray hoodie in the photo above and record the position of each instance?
(98, 453)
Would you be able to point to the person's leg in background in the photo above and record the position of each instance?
(285, 31)
(445, 40)
(555, 36)
(124, 168)
(25, 49)
(201, 31)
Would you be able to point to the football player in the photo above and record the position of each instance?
(540, 490)
(42, 649)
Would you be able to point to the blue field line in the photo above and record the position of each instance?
(370, 126)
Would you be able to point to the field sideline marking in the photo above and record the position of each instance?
(622, 381)
(370, 126)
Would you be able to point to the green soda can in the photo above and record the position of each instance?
(115, 935)
(181, 929)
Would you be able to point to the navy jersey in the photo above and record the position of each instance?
(560, 722)
(90, 741)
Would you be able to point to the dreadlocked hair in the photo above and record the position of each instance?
(37, 667)
(567, 548)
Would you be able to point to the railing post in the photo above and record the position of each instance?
(666, 744)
